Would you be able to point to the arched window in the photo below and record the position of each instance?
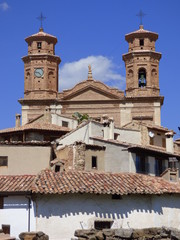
(130, 73)
(153, 72)
(142, 77)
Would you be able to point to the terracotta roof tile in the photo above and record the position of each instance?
(49, 182)
(18, 183)
(36, 126)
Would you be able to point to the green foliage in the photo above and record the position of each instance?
(80, 117)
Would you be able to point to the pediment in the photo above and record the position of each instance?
(92, 90)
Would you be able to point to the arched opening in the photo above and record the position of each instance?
(51, 78)
(142, 77)
(130, 73)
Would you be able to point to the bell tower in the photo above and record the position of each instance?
(143, 101)
(41, 67)
(142, 64)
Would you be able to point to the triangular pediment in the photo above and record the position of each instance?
(92, 90)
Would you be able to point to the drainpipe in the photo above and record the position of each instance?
(29, 213)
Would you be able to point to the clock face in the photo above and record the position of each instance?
(38, 72)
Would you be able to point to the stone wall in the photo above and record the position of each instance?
(113, 234)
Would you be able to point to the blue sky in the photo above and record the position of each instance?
(88, 32)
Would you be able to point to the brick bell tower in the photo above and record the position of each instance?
(41, 67)
(142, 76)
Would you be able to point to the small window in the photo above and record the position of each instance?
(158, 134)
(163, 142)
(65, 124)
(151, 141)
(116, 135)
(1, 202)
(159, 166)
(57, 168)
(99, 225)
(94, 162)
(6, 228)
(39, 44)
(116, 196)
(3, 161)
(142, 165)
(141, 42)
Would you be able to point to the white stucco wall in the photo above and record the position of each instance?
(129, 136)
(15, 214)
(116, 158)
(60, 215)
(57, 119)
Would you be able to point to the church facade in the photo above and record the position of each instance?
(140, 101)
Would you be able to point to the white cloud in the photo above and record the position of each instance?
(4, 6)
(103, 69)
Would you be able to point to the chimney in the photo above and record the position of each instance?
(47, 115)
(169, 142)
(111, 130)
(18, 120)
(106, 126)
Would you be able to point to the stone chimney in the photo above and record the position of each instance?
(169, 142)
(106, 125)
(47, 115)
(111, 128)
(18, 120)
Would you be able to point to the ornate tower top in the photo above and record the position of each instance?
(41, 67)
(142, 64)
(90, 77)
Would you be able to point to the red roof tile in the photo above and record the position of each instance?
(18, 183)
(49, 182)
(36, 126)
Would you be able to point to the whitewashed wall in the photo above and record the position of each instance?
(57, 119)
(59, 216)
(15, 214)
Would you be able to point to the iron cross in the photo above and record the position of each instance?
(141, 15)
(41, 18)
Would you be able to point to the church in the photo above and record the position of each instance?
(140, 101)
(117, 170)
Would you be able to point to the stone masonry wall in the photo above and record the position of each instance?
(138, 234)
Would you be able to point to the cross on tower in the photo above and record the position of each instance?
(41, 18)
(141, 15)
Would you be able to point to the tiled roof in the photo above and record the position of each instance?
(140, 31)
(49, 182)
(36, 126)
(153, 148)
(18, 183)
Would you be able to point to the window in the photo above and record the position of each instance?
(57, 168)
(151, 141)
(99, 225)
(141, 42)
(163, 142)
(116, 196)
(116, 135)
(3, 161)
(142, 77)
(39, 45)
(1, 202)
(94, 162)
(159, 166)
(6, 228)
(65, 124)
(142, 165)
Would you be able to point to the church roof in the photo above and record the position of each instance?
(141, 32)
(41, 35)
(49, 182)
